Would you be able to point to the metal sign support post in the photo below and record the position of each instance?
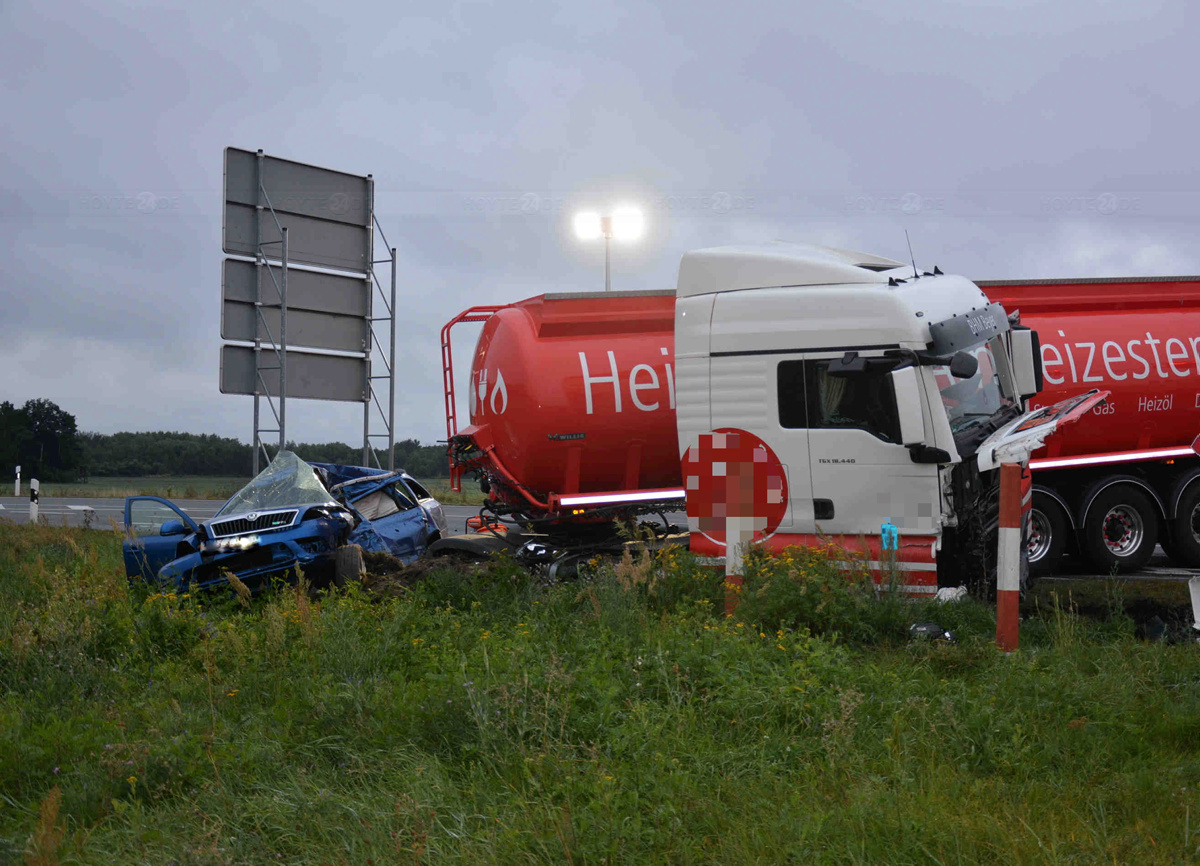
(387, 359)
(283, 341)
(392, 376)
(261, 263)
(368, 393)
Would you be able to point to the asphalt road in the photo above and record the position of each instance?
(106, 512)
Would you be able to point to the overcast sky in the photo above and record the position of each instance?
(1012, 139)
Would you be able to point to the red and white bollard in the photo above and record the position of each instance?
(35, 492)
(1008, 559)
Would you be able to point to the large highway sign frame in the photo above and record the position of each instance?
(280, 213)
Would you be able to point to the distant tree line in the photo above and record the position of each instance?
(42, 439)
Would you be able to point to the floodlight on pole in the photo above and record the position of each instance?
(625, 224)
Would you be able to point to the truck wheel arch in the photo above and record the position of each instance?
(1180, 488)
(1051, 493)
(1055, 536)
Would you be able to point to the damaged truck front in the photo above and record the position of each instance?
(293, 515)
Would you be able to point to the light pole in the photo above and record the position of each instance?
(624, 224)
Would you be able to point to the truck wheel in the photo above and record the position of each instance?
(1185, 530)
(1047, 539)
(1121, 530)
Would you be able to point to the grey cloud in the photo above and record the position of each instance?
(1013, 140)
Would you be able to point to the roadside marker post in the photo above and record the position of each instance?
(35, 489)
(736, 495)
(739, 533)
(17, 483)
(1008, 558)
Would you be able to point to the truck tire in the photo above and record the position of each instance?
(1047, 540)
(1120, 531)
(1184, 545)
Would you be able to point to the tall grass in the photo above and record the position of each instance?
(620, 718)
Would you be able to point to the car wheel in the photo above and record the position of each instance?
(1121, 530)
(348, 565)
(1047, 539)
(1185, 530)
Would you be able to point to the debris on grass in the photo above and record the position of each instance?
(388, 577)
(951, 593)
(931, 631)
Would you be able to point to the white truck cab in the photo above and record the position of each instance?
(885, 395)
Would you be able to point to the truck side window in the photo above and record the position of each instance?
(791, 395)
(862, 402)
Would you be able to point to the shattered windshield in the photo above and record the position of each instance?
(974, 402)
(287, 481)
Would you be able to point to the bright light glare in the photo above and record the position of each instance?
(587, 225)
(627, 223)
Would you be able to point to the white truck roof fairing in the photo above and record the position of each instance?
(761, 266)
(844, 298)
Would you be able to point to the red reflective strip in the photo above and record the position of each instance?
(1114, 457)
(618, 496)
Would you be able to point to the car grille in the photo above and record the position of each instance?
(243, 524)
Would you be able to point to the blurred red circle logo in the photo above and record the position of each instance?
(732, 473)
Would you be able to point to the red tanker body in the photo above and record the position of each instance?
(575, 393)
(1129, 477)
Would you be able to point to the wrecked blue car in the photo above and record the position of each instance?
(291, 514)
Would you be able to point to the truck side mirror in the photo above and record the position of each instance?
(963, 365)
(1027, 362)
(850, 364)
(908, 405)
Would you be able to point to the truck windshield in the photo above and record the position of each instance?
(974, 402)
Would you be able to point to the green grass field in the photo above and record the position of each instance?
(481, 717)
(184, 487)
(212, 487)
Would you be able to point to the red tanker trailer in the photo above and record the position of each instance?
(571, 394)
(1112, 488)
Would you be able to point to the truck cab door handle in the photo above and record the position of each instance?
(823, 509)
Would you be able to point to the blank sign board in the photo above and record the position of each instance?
(328, 214)
(325, 311)
(306, 290)
(305, 328)
(309, 376)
